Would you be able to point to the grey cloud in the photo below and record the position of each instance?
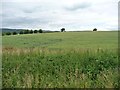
(56, 15)
(35, 8)
(15, 14)
(78, 6)
(28, 11)
(24, 21)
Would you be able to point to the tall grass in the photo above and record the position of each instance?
(70, 59)
(46, 68)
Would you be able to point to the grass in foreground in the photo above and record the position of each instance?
(46, 68)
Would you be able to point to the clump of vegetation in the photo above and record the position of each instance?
(63, 30)
(40, 31)
(26, 31)
(31, 31)
(14, 33)
(35, 31)
(21, 32)
(3, 34)
(95, 29)
(8, 33)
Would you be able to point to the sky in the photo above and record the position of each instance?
(73, 15)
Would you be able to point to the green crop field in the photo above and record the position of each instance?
(61, 60)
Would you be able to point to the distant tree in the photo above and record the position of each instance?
(8, 33)
(35, 31)
(63, 30)
(94, 29)
(3, 34)
(21, 32)
(14, 33)
(31, 31)
(26, 31)
(40, 31)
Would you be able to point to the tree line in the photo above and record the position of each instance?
(32, 31)
(27, 32)
(23, 32)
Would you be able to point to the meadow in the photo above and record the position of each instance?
(60, 60)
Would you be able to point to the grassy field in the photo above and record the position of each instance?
(69, 59)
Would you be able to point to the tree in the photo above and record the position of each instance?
(31, 31)
(40, 31)
(8, 33)
(3, 34)
(26, 31)
(94, 29)
(21, 32)
(63, 29)
(14, 33)
(35, 31)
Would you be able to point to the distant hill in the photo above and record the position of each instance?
(10, 30)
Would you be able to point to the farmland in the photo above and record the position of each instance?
(62, 60)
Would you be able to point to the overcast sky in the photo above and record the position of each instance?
(55, 14)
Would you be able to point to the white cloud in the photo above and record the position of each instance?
(54, 14)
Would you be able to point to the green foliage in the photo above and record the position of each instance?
(26, 32)
(14, 33)
(94, 29)
(35, 31)
(63, 29)
(31, 31)
(47, 68)
(21, 32)
(3, 34)
(61, 60)
(66, 40)
(8, 33)
(40, 31)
